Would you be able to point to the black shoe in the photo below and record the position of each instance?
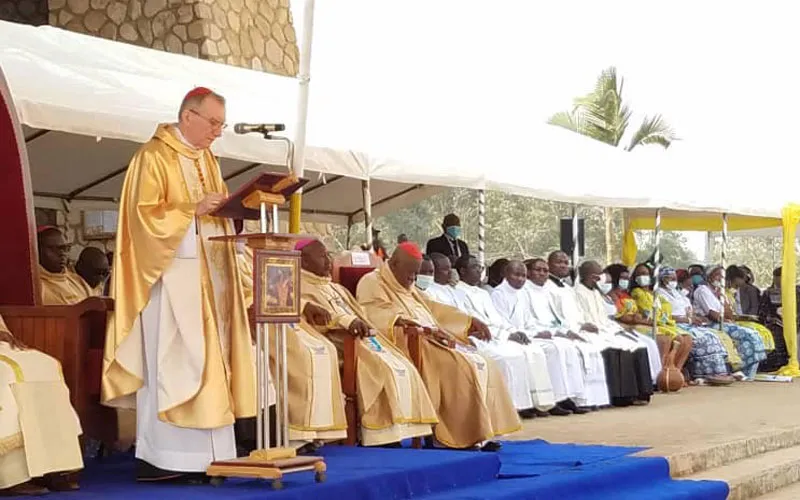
(428, 443)
(148, 473)
(309, 448)
(558, 411)
(491, 446)
(594, 408)
(527, 414)
(396, 444)
(570, 405)
(581, 411)
(541, 414)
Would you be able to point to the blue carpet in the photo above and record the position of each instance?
(521, 470)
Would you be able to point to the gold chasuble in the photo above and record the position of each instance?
(38, 427)
(467, 391)
(63, 289)
(392, 400)
(205, 373)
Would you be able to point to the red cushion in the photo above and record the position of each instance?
(350, 276)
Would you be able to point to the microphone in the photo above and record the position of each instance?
(260, 128)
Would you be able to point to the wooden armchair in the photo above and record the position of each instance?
(75, 336)
(348, 274)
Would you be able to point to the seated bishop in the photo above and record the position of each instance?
(524, 365)
(39, 429)
(60, 285)
(393, 403)
(316, 402)
(467, 390)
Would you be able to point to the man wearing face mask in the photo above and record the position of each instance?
(628, 370)
(424, 277)
(771, 314)
(449, 243)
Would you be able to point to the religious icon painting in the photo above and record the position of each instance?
(277, 286)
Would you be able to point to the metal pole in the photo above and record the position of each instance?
(285, 376)
(575, 246)
(260, 390)
(263, 219)
(303, 79)
(724, 259)
(264, 331)
(367, 197)
(482, 228)
(277, 377)
(656, 270)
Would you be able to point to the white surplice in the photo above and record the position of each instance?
(593, 306)
(509, 356)
(557, 305)
(478, 303)
(564, 363)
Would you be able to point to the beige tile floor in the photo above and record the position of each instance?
(696, 417)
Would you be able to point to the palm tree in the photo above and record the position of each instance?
(603, 115)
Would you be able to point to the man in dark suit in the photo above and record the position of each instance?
(449, 243)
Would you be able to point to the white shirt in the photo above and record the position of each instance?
(542, 308)
(445, 294)
(705, 301)
(594, 309)
(565, 304)
(679, 302)
(478, 302)
(514, 306)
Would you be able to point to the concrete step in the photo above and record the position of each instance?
(697, 460)
(791, 492)
(757, 475)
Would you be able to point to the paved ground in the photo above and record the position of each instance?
(696, 417)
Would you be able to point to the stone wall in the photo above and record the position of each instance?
(257, 34)
(24, 11)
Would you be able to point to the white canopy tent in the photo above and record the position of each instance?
(86, 102)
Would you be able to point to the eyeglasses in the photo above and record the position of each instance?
(211, 121)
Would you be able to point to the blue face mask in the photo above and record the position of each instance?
(624, 284)
(453, 231)
(697, 279)
(424, 281)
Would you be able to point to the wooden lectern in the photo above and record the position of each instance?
(276, 302)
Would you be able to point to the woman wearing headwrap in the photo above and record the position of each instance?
(641, 290)
(735, 279)
(710, 302)
(628, 313)
(708, 359)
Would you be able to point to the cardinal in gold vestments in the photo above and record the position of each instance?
(467, 390)
(392, 400)
(178, 345)
(38, 427)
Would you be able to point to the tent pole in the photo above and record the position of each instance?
(367, 196)
(482, 229)
(304, 78)
(656, 271)
(723, 258)
(575, 246)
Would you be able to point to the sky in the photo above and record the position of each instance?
(721, 73)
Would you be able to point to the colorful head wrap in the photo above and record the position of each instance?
(666, 270)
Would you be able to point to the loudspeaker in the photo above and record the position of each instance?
(566, 237)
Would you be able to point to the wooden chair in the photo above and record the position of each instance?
(348, 274)
(75, 336)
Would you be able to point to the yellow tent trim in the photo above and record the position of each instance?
(687, 221)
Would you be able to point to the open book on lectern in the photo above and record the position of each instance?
(274, 188)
